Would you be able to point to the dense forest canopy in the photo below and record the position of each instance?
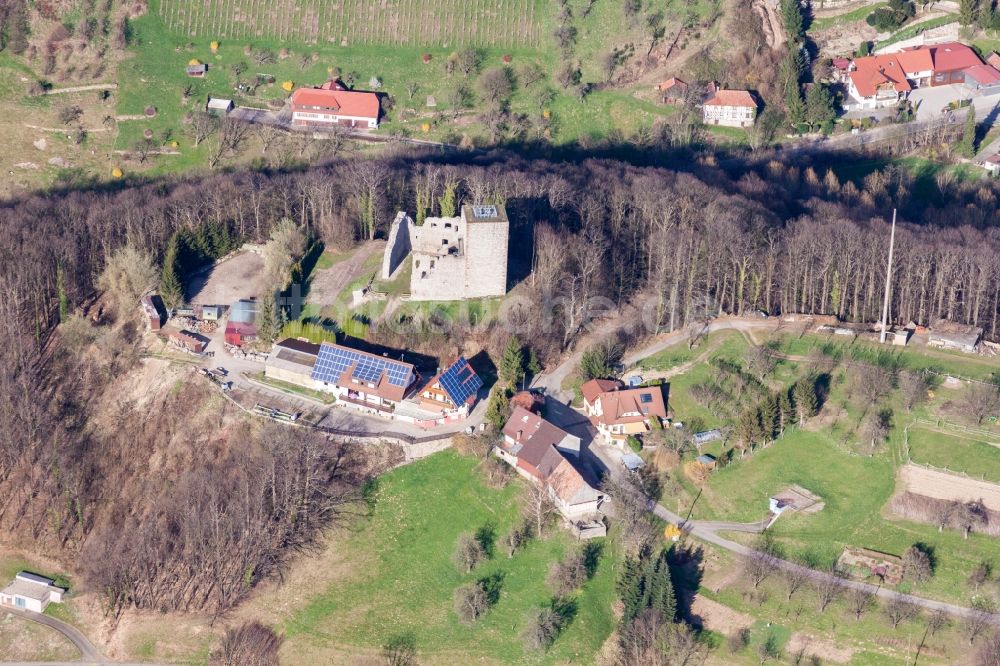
(690, 244)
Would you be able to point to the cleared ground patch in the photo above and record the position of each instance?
(391, 22)
(942, 485)
(240, 276)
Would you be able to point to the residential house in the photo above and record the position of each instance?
(333, 104)
(730, 108)
(292, 361)
(453, 391)
(31, 592)
(882, 80)
(672, 90)
(946, 334)
(362, 380)
(241, 327)
(992, 164)
(540, 452)
(618, 412)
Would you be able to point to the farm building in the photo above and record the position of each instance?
(538, 451)
(618, 412)
(150, 311)
(219, 106)
(672, 90)
(241, 327)
(946, 334)
(292, 361)
(189, 341)
(455, 258)
(31, 592)
(362, 380)
(333, 104)
(454, 390)
(730, 108)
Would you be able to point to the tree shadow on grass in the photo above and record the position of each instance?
(492, 585)
(487, 538)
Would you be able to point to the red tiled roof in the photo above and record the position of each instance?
(638, 403)
(841, 63)
(596, 387)
(672, 82)
(994, 59)
(915, 60)
(343, 102)
(732, 98)
(984, 75)
(952, 56)
(872, 72)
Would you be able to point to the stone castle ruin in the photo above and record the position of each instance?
(454, 258)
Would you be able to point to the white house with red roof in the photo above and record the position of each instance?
(882, 80)
(730, 108)
(333, 104)
(618, 412)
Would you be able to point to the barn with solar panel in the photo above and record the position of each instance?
(453, 391)
(363, 380)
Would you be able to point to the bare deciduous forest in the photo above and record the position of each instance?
(228, 502)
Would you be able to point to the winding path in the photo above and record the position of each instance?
(709, 531)
(88, 652)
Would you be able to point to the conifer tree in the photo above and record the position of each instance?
(512, 367)
(171, 289)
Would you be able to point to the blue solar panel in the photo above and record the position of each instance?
(334, 360)
(460, 381)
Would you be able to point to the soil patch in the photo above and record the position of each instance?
(240, 276)
(818, 647)
(713, 615)
(941, 485)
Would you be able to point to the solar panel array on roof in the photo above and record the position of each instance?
(484, 211)
(333, 360)
(460, 381)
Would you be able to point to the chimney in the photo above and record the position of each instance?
(519, 433)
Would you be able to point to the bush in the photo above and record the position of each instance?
(468, 552)
(634, 443)
(542, 629)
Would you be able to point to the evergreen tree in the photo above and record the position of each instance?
(498, 407)
(820, 107)
(447, 201)
(791, 17)
(171, 289)
(534, 366)
(967, 146)
(268, 320)
(791, 75)
(665, 600)
(784, 409)
(806, 401)
(512, 366)
(769, 417)
(968, 12)
(629, 586)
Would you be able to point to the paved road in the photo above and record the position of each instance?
(88, 652)
(607, 459)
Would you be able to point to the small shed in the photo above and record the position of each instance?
(151, 312)
(197, 71)
(992, 164)
(219, 106)
(672, 90)
(431, 102)
(210, 312)
(189, 341)
(946, 334)
(31, 592)
(707, 460)
(901, 337)
(706, 436)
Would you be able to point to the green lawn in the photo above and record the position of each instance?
(855, 489)
(404, 578)
(956, 452)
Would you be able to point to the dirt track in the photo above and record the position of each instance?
(942, 485)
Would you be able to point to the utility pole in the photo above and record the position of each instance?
(888, 279)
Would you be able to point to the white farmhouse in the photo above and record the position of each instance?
(730, 108)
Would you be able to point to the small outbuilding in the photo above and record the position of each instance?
(151, 312)
(219, 106)
(292, 361)
(672, 90)
(197, 71)
(189, 341)
(992, 164)
(31, 592)
(707, 460)
(946, 334)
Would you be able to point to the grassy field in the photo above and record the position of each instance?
(956, 452)
(859, 14)
(391, 23)
(402, 578)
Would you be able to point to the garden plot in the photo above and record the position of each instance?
(945, 486)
